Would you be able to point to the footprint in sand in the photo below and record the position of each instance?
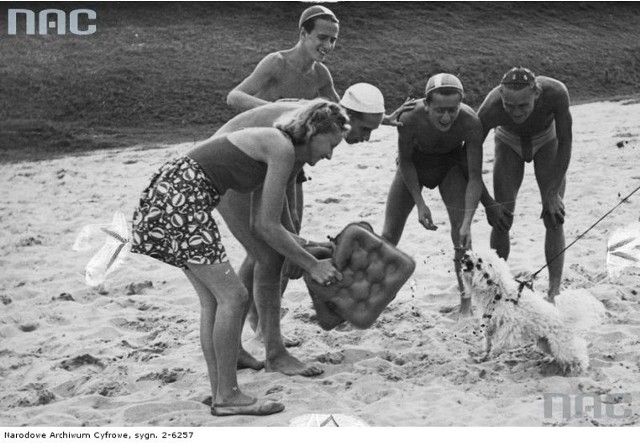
(79, 361)
(136, 288)
(37, 395)
(166, 376)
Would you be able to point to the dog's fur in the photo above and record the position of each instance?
(511, 316)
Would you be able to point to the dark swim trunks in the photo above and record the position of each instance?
(173, 222)
(433, 168)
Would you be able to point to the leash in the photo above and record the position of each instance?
(529, 283)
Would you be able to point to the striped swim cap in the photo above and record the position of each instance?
(443, 80)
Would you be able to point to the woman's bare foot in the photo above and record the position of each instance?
(287, 364)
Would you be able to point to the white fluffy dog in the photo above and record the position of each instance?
(511, 315)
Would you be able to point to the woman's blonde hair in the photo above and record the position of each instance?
(317, 117)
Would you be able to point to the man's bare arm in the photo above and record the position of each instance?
(498, 216)
(242, 97)
(564, 132)
(327, 89)
(410, 176)
(475, 184)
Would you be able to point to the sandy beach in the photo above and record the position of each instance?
(128, 353)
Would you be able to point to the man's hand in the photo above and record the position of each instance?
(392, 119)
(553, 207)
(499, 217)
(424, 217)
(465, 238)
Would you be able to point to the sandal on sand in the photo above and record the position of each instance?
(256, 408)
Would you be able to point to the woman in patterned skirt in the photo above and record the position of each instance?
(173, 223)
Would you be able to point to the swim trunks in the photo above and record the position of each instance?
(173, 222)
(433, 168)
(526, 146)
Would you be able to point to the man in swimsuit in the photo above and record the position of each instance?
(439, 145)
(261, 270)
(296, 73)
(293, 73)
(532, 121)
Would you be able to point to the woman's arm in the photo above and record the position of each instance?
(268, 202)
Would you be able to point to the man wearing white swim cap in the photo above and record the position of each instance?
(532, 122)
(364, 105)
(439, 145)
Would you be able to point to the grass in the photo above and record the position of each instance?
(160, 74)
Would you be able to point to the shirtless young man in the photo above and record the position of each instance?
(296, 73)
(439, 145)
(261, 271)
(293, 73)
(533, 122)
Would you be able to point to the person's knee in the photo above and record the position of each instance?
(239, 299)
(551, 222)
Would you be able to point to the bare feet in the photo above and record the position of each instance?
(287, 364)
(288, 342)
(245, 360)
(551, 295)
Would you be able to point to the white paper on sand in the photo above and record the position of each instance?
(326, 420)
(623, 249)
(113, 252)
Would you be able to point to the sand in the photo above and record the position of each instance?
(128, 354)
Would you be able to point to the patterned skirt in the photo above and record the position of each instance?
(174, 219)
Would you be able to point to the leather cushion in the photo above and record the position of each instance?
(373, 271)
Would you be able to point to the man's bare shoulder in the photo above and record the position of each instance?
(553, 90)
(275, 60)
(321, 69)
(413, 119)
(492, 102)
(469, 118)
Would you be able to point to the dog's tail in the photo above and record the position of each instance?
(579, 309)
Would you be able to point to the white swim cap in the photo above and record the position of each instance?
(363, 98)
(443, 80)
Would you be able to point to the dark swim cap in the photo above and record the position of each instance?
(519, 76)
